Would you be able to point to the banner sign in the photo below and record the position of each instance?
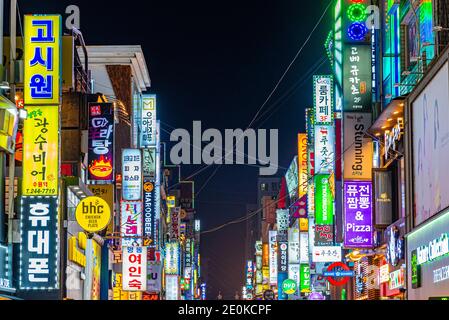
(302, 165)
(358, 155)
(100, 157)
(358, 231)
(324, 235)
(304, 278)
(327, 254)
(303, 247)
(135, 268)
(42, 59)
(383, 197)
(357, 81)
(148, 136)
(39, 243)
(283, 247)
(171, 287)
(323, 99)
(154, 276)
(324, 149)
(291, 177)
(172, 258)
(324, 205)
(294, 274)
(149, 210)
(132, 174)
(272, 237)
(293, 245)
(149, 163)
(282, 221)
(131, 222)
(41, 151)
(175, 220)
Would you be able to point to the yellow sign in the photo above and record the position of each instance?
(74, 254)
(118, 293)
(93, 214)
(96, 251)
(303, 224)
(41, 151)
(302, 165)
(105, 192)
(148, 186)
(42, 59)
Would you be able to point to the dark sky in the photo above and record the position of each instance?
(217, 61)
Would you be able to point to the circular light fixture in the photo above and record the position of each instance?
(356, 13)
(357, 31)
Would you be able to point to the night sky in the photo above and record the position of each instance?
(217, 61)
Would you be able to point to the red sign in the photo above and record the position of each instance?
(332, 280)
(150, 296)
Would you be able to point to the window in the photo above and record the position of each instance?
(264, 187)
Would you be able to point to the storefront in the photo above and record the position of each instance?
(428, 259)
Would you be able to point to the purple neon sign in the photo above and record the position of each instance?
(358, 214)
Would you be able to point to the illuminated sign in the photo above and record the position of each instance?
(282, 220)
(358, 217)
(134, 268)
(131, 222)
(174, 225)
(357, 81)
(323, 99)
(324, 205)
(100, 156)
(42, 59)
(291, 177)
(149, 210)
(148, 135)
(397, 279)
(149, 163)
(303, 247)
(293, 245)
(302, 165)
(391, 137)
(324, 235)
(93, 214)
(273, 257)
(172, 258)
(304, 278)
(324, 149)
(132, 174)
(39, 243)
(358, 155)
(327, 254)
(441, 274)
(41, 151)
(283, 247)
(384, 273)
(105, 192)
(434, 249)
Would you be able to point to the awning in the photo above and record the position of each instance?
(388, 118)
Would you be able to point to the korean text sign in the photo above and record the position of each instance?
(357, 78)
(323, 99)
(358, 222)
(42, 59)
(172, 258)
(101, 142)
(273, 257)
(41, 152)
(132, 174)
(131, 222)
(135, 268)
(148, 136)
(324, 149)
(39, 243)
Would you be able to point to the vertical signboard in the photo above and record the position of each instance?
(304, 247)
(358, 231)
(273, 257)
(383, 197)
(282, 219)
(149, 163)
(42, 59)
(131, 222)
(41, 151)
(172, 258)
(357, 81)
(324, 207)
(100, 156)
(39, 243)
(171, 287)
(293, 245)
(304, 278)
(148, 135)
(302, 165)
(149, 208)
(135, 268)
(154, 276)
(358, 155)
(291, 177)
(132, 174)
(283, 262)
(323, 102)
(324, 149)
(175, 220)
